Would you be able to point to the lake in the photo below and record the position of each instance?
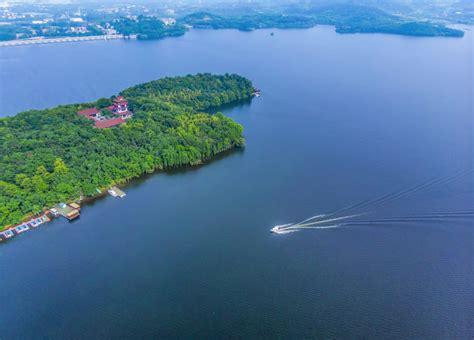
(342, 119)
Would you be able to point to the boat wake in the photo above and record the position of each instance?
(321, 221)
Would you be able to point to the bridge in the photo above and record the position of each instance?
(35, 41)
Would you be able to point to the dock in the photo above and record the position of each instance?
(21, 228)
(116, 192)
(75, 206)
(25, 226)
(67, 211)
(8, 233)
(37, 221)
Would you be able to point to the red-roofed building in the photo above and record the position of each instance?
(89, 113)
(124, 114)
(120, 104)
(120, 108)
(103, 124)
(119, 99)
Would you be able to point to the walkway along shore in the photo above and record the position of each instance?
(37, 41)
(69, 211)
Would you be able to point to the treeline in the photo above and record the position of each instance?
(200, 92)
(10, 32)
(347, 18)
(50, 156)
(148, 28)
(364, 19)
(247, 22)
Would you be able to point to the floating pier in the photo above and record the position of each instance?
(25, 226)
(70, 212)
(116, 192)
(67, 211)
(75, 206)
(8, 233)
(21, 228)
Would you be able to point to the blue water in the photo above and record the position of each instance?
(342, 119)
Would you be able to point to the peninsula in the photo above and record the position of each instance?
(60, 154)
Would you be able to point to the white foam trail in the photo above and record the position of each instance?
(311, 218)
(325, 221)
(322, 227)
(390, 197)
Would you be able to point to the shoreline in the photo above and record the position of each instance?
(216, 136)
(46, 212)
(42, 40)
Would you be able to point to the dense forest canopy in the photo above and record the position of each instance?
(54, 155)
(147, 28)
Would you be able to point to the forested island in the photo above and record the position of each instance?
(54, 155)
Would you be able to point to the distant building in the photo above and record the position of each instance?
(103, 124)
(168, 21)
(80, 29)
(89, 113)
(76, 20)
(120, 104)
(111, 31)
(120, 108)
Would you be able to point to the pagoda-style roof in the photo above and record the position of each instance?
(88, 112)
(103, 124)
(120, 100)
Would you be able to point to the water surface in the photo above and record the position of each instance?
(342, 119)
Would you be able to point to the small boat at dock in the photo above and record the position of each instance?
(25, 226)
(8, 233)
(35, 222)
(21, 228)
(116, 192)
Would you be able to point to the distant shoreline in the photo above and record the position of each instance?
(40, 41)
